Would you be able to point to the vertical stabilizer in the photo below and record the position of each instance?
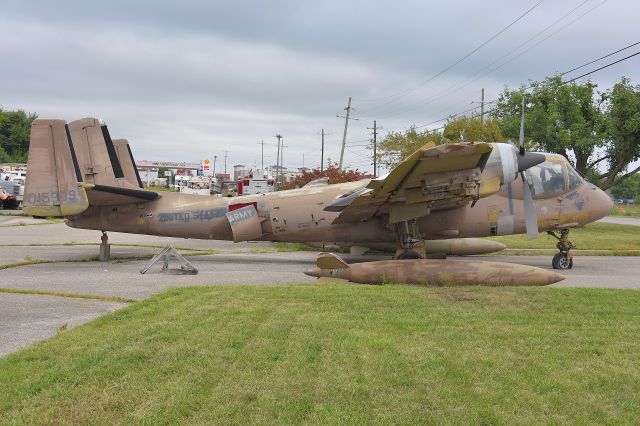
(53, 186)
(97, 157)
(123, 150)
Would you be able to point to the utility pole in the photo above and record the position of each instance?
(344, 135)
(262, 163)
(375, 148)
(282, 160)
(375, 141)
(322, 150)
(215, 157)
(226, 153)
(482, 106)
(279, 137)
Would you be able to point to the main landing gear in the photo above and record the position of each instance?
(564, 259)
(411, 244)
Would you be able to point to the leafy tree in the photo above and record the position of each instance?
(601, 131)
(627, 188)
(334, 174)
(622, 131)
(475, 129)
(15, 128)
(561, 118)
(396, 146)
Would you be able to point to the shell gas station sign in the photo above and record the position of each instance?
(207, 169)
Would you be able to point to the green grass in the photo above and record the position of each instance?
(71, 295)
(630, 210)
(595, 236)
(26, 261)
(339, 354)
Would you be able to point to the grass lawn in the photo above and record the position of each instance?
(632, 210)
(594, 236)
(339, 354)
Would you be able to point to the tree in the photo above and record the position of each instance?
(334, 174)
(15, 128)
(476, 129)
(559, 117)
(622, 130)
(396, 146)
(627, 188)
(598, 132)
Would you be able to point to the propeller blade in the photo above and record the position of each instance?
(521, 141)
(530, 216)
(529, 159)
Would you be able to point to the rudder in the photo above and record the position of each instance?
(129, 169)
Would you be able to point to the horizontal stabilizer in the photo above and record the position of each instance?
(103, 195)
(331, 261)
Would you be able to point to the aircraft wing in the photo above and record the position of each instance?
(432, 178)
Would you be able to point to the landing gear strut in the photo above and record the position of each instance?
(564, 259)
(411, 245)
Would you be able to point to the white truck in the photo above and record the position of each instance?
(12, 185)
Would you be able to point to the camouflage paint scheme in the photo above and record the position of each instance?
(448, 191)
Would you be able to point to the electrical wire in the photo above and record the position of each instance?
(464, 83)
(600, 58)
(601, 68)
(404, 93)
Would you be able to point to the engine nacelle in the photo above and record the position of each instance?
(501, 168)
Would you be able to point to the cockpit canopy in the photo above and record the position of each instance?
(552, 177)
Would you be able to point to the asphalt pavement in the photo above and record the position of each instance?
(621, 220)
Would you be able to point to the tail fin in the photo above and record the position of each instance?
(127, 162)
(100, 167)
(331, 261)
(53, 186)
(97, 157)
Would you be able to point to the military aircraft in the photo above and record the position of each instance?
(439, 192)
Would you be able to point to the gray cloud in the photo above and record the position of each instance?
(188, 80)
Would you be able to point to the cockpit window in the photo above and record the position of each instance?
(547, 179)
(574, 178)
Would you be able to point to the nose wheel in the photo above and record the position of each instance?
(563, 259)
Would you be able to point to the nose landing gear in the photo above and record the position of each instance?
(564, 259)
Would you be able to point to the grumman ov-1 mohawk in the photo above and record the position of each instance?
(448, 191)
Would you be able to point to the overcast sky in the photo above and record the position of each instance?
(188, 80)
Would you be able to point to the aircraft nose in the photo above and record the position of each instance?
(603, 204)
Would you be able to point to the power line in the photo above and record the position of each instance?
(601, 68)
(406, 92)
(565, 82)
(600, 58)
(456, 114)
(464, 83)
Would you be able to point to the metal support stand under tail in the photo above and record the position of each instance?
(105, 248)
(165, 255)
(564, 259)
